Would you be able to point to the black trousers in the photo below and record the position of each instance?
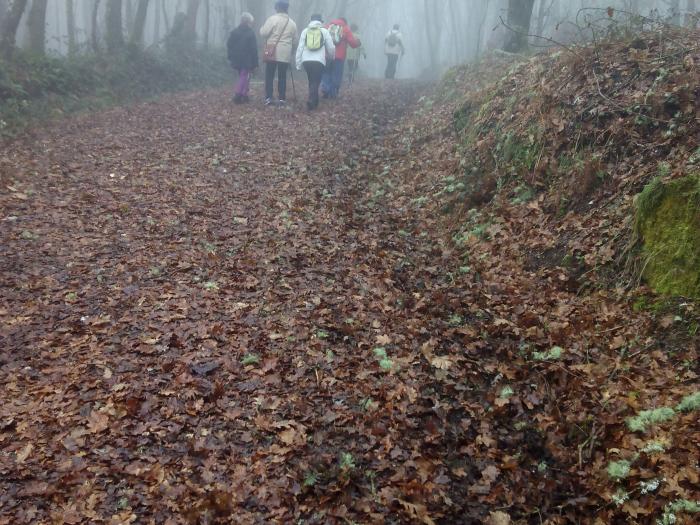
(270, 69)
(391, 66)
(314, 72)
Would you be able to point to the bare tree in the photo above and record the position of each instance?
(156, 24)
(10, 23)
(129, 17)
(115, 34)
(207, 18)
(70, 22)
(432, 32)
(166, 19)
(191, 19)
(4, 8)
(519, 20)
(543, 13)
(36, 27)
(691, 15)
(674, 9)
(136, 37)
(94, 34)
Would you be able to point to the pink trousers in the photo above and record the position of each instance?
(243, 83)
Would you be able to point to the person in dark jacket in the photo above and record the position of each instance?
(243, 55)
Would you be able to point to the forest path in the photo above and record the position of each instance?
(206, 313)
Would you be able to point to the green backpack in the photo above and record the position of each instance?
(314, 39)
(337, 33)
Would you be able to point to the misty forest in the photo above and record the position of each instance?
(349, 262)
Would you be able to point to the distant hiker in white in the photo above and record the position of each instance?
(393, 49)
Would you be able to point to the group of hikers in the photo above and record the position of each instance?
(322, 50)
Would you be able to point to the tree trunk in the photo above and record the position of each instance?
(156, 24)
(207, 17)
(257, 9)
(691, 16)
(94, 35)
(129, 17)
(542, 15)
(519, 20)
(36, 27)
(431, 16)
(140, 23)
(10, 23)
(115, 34)
(166, 19)
(3, 11)
(480, 34)
(70, 17)
(675, 12)
(191, 20)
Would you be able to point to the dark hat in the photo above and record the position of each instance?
(282, 3)
(316, 18)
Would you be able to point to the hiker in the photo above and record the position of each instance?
(342, 38)
(280, 35)
(315, 48)
(393, 48)
(242, 48)
(355, 54)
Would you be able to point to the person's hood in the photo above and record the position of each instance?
(315, 23)
(339, 22)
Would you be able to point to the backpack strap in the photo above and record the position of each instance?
(282, 33)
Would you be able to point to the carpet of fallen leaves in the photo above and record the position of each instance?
(221, 314)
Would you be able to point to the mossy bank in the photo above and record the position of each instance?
(668, 225)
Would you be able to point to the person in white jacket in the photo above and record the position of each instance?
(315, 49)
(393, 48)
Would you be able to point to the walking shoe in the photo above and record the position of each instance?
(268, 102)
(237, 99)
(281, 103)
(310, 105)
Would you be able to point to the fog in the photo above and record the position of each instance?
(437, 33)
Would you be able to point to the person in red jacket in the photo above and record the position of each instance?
(342, 38)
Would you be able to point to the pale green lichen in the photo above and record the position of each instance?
(551, 355)
(386, 364)
(668, 224)
(654, 447)
(671, 510)
(620, 497)
(689, 403)
(506, 392)
(647, 418)
(645, 487)
(618, 470)
(380, 353)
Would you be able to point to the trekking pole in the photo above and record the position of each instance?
(294, 88)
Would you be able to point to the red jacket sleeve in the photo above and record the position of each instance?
(352, 41)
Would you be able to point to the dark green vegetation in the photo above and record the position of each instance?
(668, 223)
(38, 87)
